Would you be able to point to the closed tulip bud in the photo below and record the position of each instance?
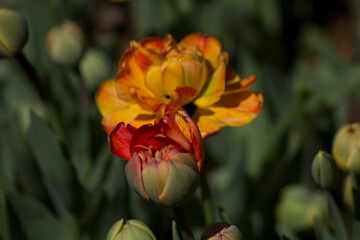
(324, 170)
(169, 179)
(130, 230)
(65, 43)
(13, 33)
(165, 159)
(220, 231)
(346, 147)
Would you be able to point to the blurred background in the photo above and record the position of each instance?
(58, 179)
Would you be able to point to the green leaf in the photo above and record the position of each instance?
(322, 233)
(175, 231)
(337, 222)
(4, 221)
(36, 221)
(55, 169)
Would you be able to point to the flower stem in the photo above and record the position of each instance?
(82, 90)
(207, 201)
(32, 75)
(183, 223)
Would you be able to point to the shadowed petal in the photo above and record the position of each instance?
(119, 140)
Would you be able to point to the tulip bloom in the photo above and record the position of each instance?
(158, 77)
(165, 159)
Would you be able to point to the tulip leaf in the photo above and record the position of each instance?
(175, 231)
(36, 221)
(356, 230)
(4, 221)
(54, 168)
(337, 222)
(322, 233)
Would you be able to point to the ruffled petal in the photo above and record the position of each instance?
(133, 114)
(235, 84)
(191, 131)
(214, 89)
(210, 46)
(107, 98)
(237, 109)
(119, 139)
(208, 124)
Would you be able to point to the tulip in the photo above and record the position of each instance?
(130, 230)
(220, 231)
(13, 33)
(65, 43)
(324, 170)
(164, 159)
(346, 147)
(159, 76)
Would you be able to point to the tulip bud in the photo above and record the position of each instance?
(299, 207)
(221, 230)
(346, 147)
(65, 43)
(95, 66)
(130, 230)
(13, 33)
(324, 170)
(170, 178)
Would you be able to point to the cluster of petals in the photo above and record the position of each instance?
(159, 76)
(153, 141)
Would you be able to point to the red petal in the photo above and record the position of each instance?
(119, 139)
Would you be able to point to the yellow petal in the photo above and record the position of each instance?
(237, 109)
(107, 99)
(208, 124)
(210, 46)
(214, 89)
(132, 114)
(153, 81)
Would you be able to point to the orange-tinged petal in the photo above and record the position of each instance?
(209, 45)
(191, 131)
(154, 82)
(159, 45)
(129, 114)
(214, 89)
(235, 84)
(119, 139)
(237, 109)
(208, 124)
(180, 96)
(126, 83)
(107, 98)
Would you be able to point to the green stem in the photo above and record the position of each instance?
(183, 223)
(207, 201)
(83, 91)
(32, 75)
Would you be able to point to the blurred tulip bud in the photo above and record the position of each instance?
(13, 33)
(324, 170)
(298, 208)
(65, 43)
(95, 66)
(165, 159)
(220, 231)
(130, 230)
(346, 147)
(348, 193)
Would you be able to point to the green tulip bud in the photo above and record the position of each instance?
(130, 230)
(221, 230)
(13, 33)
(65, 43)
(299, 207)
(95, 66)
(346, 147)
(170, 179)
(324, 170)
